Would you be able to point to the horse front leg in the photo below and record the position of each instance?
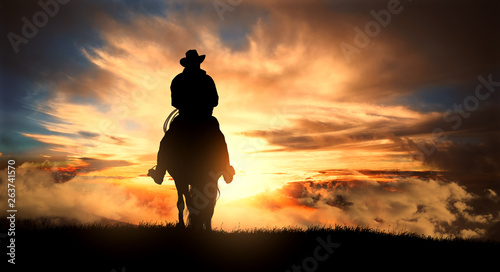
(193, 219)
(180, 207)
(181, 187)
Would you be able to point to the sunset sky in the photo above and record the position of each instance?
(375, 113)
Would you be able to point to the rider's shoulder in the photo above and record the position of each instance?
(177, 78)
(208, 77)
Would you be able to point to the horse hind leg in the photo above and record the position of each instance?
(208, 224)
(209, 213)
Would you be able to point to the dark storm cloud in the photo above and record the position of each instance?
(470, 150)
(477, 134)
(54, 48)
(431, 43)
(445, 42)
(95, 136)
(54, 53)
(465, 146)
(432, 51)
(428, 43)
(50, 58)
(117, 140)
(468, 157)
(98, 164)
(307, 134)
(88, 134)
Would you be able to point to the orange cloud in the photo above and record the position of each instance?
(289, 105)
(411, 203)
(90, 199)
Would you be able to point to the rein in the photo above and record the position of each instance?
(169, 120)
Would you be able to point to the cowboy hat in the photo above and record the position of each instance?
(192, 57)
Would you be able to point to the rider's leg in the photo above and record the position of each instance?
(226, 169)
(220, 145)
(162, 160)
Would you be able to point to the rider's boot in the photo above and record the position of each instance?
(157, 175)
(228, 174)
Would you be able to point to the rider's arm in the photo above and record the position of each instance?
(176, 93)
(214, 97)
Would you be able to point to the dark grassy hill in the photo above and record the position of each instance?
(149, 247)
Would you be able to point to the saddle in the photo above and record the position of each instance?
(192, 143)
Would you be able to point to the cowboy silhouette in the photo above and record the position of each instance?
(193, 91)
(193, 149)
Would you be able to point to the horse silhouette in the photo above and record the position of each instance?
(193, 149)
